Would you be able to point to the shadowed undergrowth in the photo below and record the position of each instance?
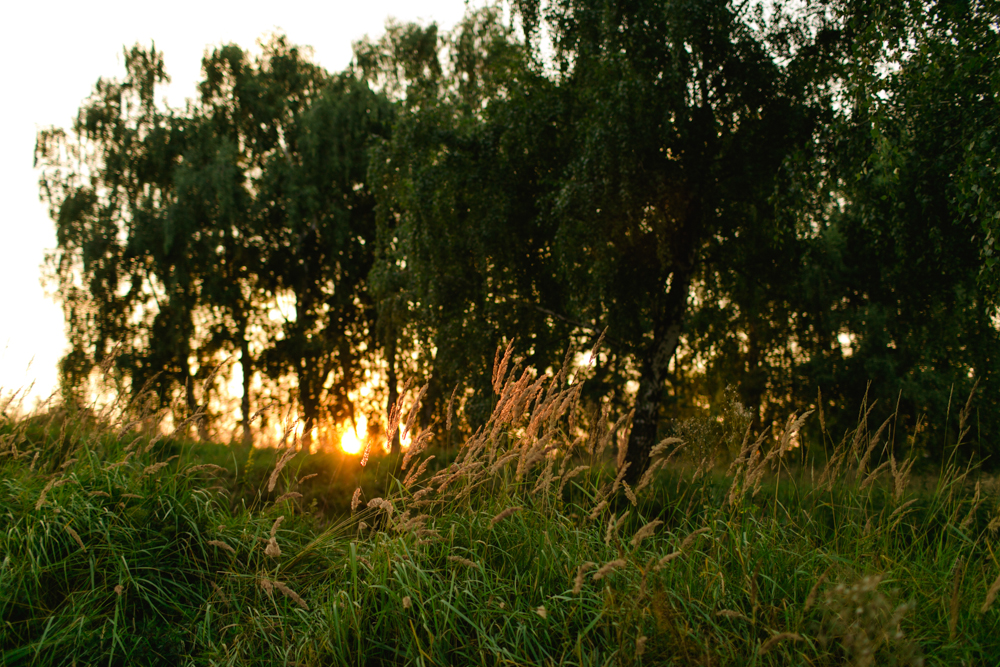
(527, 547)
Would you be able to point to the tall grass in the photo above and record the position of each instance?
(120, 546)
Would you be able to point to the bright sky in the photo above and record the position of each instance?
(54, 52)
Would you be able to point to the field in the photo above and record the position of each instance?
(523, 547)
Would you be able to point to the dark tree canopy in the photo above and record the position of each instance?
(629, 191)
(750, 201)
(902, 272)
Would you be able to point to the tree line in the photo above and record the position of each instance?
(792, 202)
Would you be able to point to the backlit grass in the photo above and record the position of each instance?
(526, 546)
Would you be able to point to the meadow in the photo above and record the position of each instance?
(525, 546)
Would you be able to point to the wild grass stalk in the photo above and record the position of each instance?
(519, 549)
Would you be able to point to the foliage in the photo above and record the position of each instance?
(180, 230)
(458, 197)
(106, 191)
(789, 200)
(904, 275)
(625, 186)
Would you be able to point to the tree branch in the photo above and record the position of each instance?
(593, 329)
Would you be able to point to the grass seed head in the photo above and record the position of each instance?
(645, 532)
(415, 474)
(662, 446)
(451, 408)
(872, 475)
(504, 460)
(545, 479)
(355, 499)
(729, 613)
(41, 496)
(580, 572)
(76, 538)
(689, 540)
(777, 639)
(991, 595)
(504, 514)
(383, 504)
(500, 366)
(901, 511)
(629, 493)
(292, 595)
(608, 568)
(282, 462)
(367, 453)
(614, 523)
(412, 416)
(621, 475)
(464, 561)
(157, 467)
(272, 549)
(976, 502)
(570, 475)
(222, 545)
(274, 526)
(666, 559)
(598, 508)
(647, 477)
(210, 467)
(811, 598)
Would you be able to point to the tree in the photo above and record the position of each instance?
(461, 256)
(912, 156)
(605, 189)
(123, 271)
(186, 228)
(316, 225)
(215, 201)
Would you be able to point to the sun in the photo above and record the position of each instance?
(349, 441)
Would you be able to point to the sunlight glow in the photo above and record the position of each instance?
(349, 441)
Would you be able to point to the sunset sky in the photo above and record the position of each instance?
(52, 55)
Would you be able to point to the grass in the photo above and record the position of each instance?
(119, 546)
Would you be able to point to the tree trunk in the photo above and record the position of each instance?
(194, 408)
(653, 371)
(390, 357)
(192, 402)
(309, 399)
(246, 363)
